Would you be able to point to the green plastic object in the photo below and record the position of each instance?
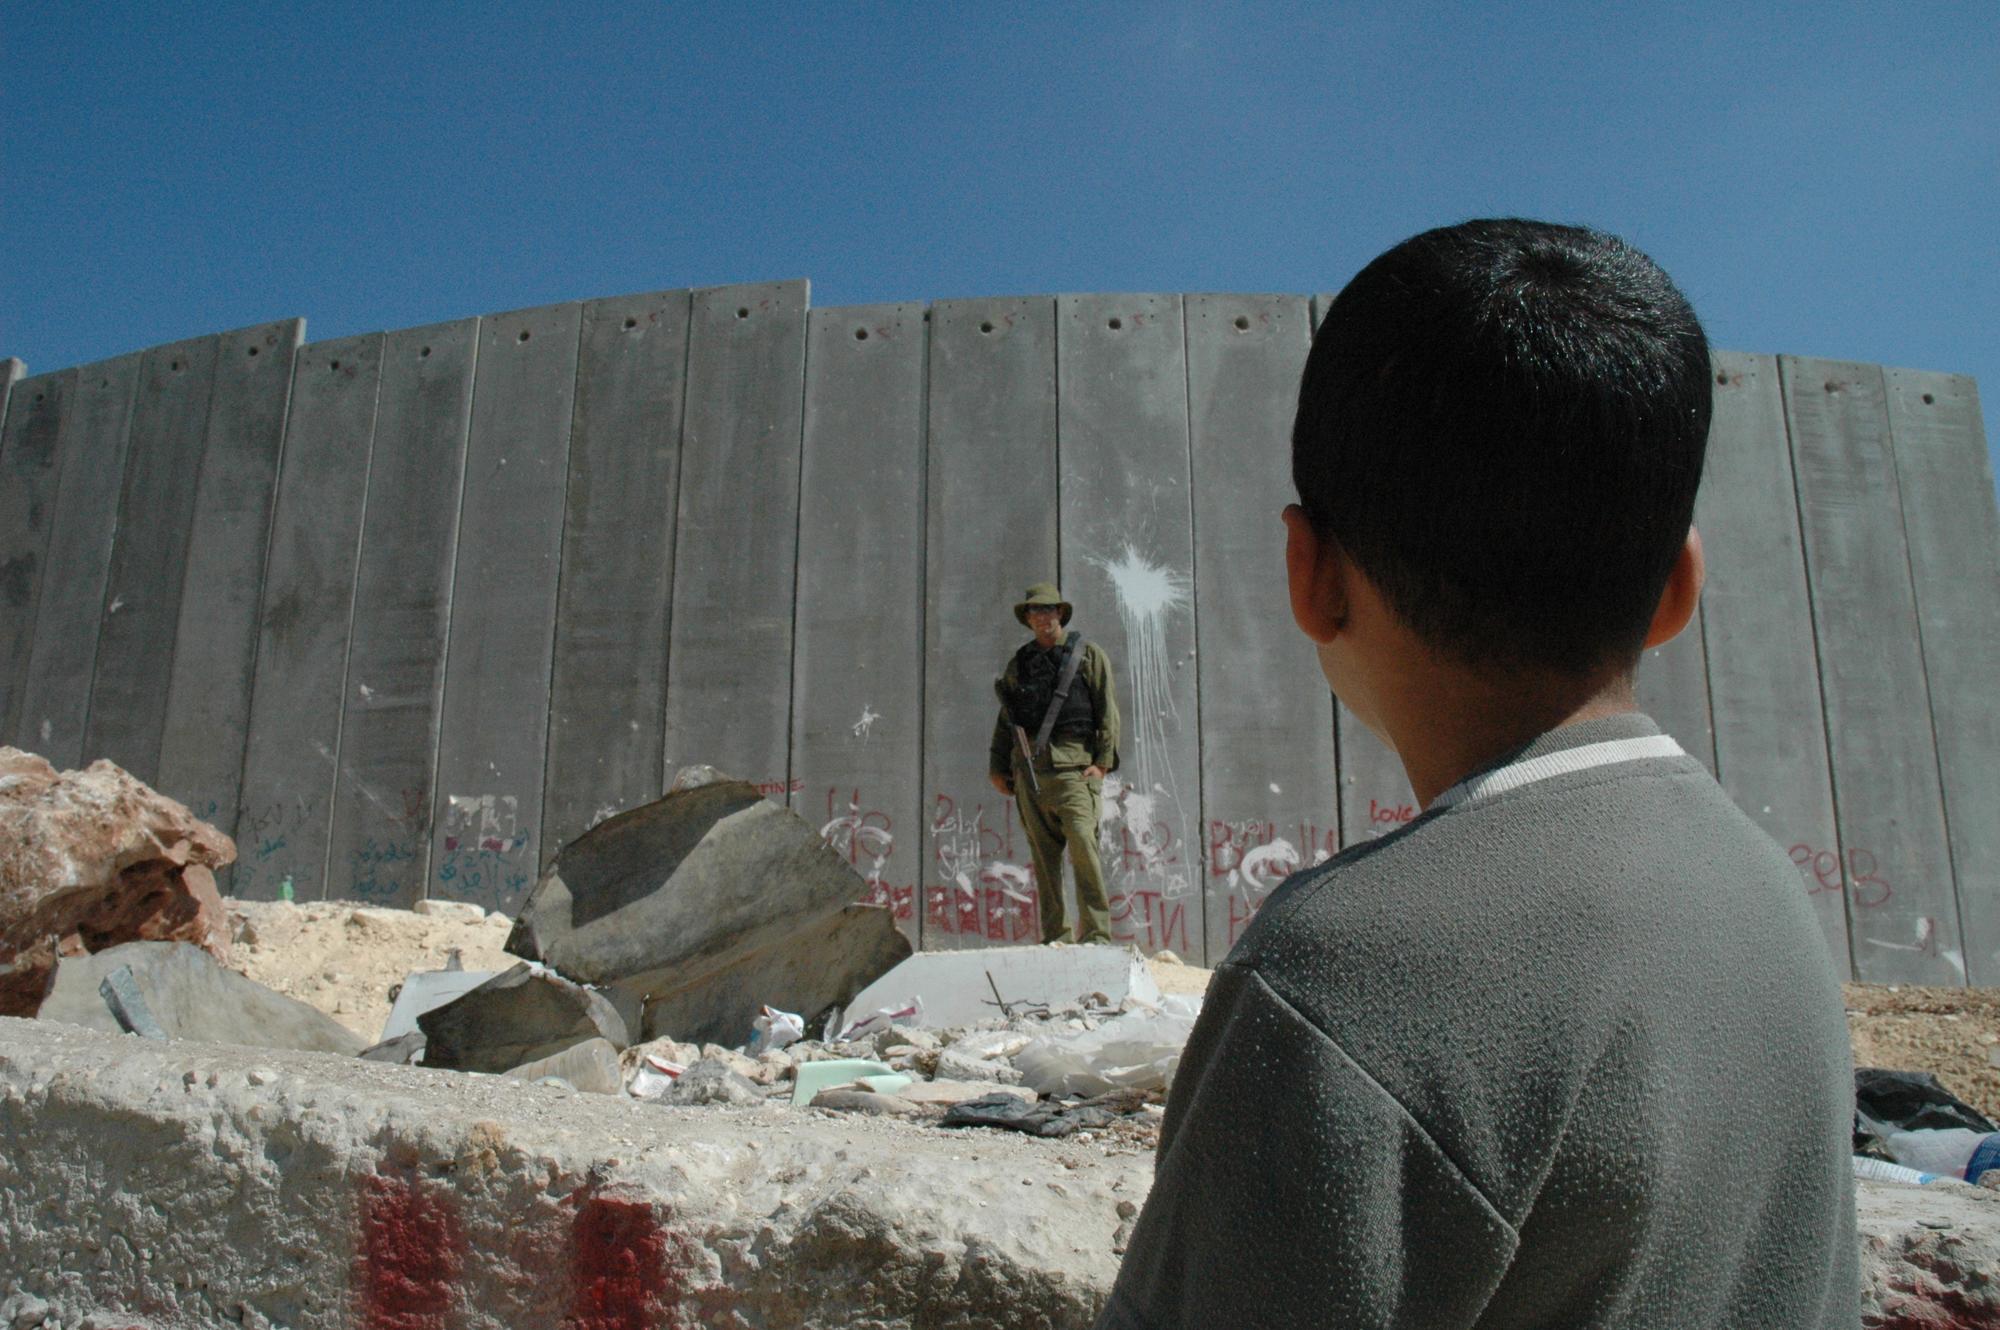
(894, 1083)
(812, 1077)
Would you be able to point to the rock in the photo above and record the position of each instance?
(517, 1016)
(709, 904)
(671, 1050)
(990, 1044)
(1928, 1255)
(867, 1101)
(191, 997)
(22, 1310)
(953, 1065)
(403, 1050)
(711, 1082)
(906, 1036)
(591, 1066)
(465, 910)
(93, 858)
(741, 1063)
(958, 1092)
(427, 990)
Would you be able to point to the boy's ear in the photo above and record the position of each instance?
(1315, 573)
(1682, 592)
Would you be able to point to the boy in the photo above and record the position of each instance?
(1566, 1050)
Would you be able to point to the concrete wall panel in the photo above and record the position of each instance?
(858, 664)
(380, 846)
(1269, 787)
(493, 729)
(30, 459)
(293, 753)
(1763, 664)
(1904, 922)
(1128, 566)
(142, 604)
(1954, 539)
(991, 532)
(609, 685)
(729, 664)
(215, 645)
(55, 692)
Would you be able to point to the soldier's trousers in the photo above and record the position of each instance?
(1064, 815)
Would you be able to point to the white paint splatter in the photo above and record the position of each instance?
(1012, 879)
(861, 727)
(117, 604)
(1270, 863)
(47, 730)
(1275, 789)
(1150, 806)
(367, 693)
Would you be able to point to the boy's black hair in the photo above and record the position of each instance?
(1502, 423)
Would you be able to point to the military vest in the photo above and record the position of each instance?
(1036, 671)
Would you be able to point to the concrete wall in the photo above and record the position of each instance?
(406, 611)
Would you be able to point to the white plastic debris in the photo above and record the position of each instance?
(1137, 1051)
(653, 1077)
(910, 1011)
(774, 1029)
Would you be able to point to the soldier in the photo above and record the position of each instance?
(1055, 738)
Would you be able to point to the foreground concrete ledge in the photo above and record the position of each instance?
(192, 1184)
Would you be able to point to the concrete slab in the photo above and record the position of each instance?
(427, 990)
(518, 1016)
(191, 997)
(955, 988)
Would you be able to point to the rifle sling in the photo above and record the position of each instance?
(1063, 682)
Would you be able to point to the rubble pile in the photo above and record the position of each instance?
(748, 1051)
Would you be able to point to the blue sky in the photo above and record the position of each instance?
(1821, 178)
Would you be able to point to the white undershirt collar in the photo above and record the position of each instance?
(1531, 769)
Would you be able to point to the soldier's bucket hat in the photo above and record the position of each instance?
(1040, 594)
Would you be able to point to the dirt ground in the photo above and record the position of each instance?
(344, 959)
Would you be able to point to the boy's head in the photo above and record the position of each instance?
(1501, 425)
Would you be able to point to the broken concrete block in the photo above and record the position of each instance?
(517, 1016)
(708, 905)
(957, 987)
(710, 1082)
(953, 1065)
(948, 1093)
(189, 996)
(93, 858)
(427, 990)
(465, 910)
(590, 1066)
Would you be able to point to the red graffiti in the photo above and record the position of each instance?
(1149, 920)
(410, 1255)
(992, 910)
(900, 901)
(624, 1268)
(1241, 912)
(1821, 870)
(767, 788)
(1390, 815)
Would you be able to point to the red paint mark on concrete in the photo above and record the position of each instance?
(620, 1268)
(411, 1254)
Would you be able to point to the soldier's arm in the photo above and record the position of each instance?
(1104, 749)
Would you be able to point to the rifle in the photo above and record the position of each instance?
(1028, 758)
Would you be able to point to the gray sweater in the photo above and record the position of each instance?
(1569, 1054)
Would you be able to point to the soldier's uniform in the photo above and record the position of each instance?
(1062, 809)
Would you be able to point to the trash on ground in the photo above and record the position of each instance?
(908, 1012)
(774, 1029)
(812, 1077)
(1137, 1050)
(427, 990)
(1036, 1118)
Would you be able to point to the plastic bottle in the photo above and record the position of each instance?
(1949, 1152)
(285, 888)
